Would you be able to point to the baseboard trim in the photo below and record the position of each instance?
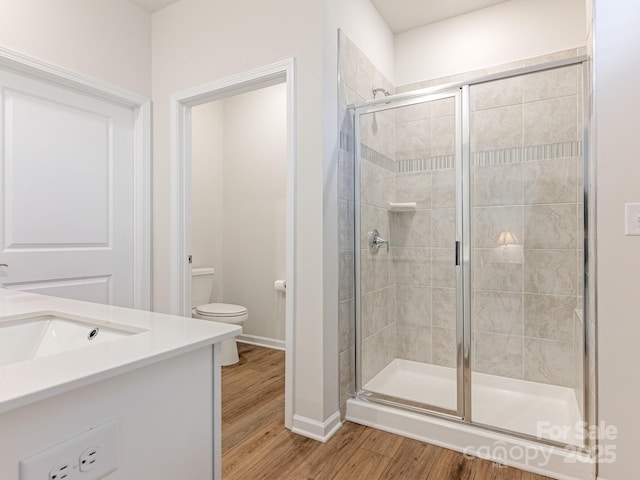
(321, 431)
(262, 341)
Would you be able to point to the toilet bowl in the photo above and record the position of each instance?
(202, 282)
(224, 313)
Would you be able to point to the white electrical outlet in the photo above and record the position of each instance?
(88, 456)
(89, 459)
(632, 219)
(60, 472)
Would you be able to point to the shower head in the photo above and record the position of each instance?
(382, 90)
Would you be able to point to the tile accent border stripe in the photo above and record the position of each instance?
(378, 159)
(527, 154)
(506, 156)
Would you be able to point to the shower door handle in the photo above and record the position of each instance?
(457, 253)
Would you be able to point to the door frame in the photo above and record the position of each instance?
(180, 135)
(18, 62)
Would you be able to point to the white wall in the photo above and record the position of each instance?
(207, 194)
(617, 45)
(239, 173)
(106, 39)
(199, 41)
(255, 187)
(504, 33)
(164, 412)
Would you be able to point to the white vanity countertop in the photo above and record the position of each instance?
(163, 336)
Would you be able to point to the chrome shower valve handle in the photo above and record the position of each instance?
(376, 241)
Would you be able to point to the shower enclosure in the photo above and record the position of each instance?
(470, 252)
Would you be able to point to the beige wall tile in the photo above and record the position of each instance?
(443, 189)
(548, 361)
(497, 312)
(550, 181)
(498, 354)
(375, 269)
(346, 324)
(492, 272)
(345, 175)
(348, 62)
(443, 307)
(414, 343)
(414, 187)
(550, 271)
(411, 266)
(549, 316)
(443, 227)
(413, 139)
(377, 311)
(547, 84)
(496, 185)
(420, 111)
(444, 107)
(444, 347)
(496, 128)
(550, 226)
(378, 133)
(345, 225)
(347, 380)
(364, 79)
(413, 305)
(488, 223)
(411, 229)
(443, 136)
(347, 278)
(499, 93)
(377, 352)
(375, 184)
(551, 121)
(443, 268)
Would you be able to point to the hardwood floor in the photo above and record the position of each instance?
(255, 444)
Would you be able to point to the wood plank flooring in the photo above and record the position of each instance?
(255, 444)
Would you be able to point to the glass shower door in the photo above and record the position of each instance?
(527, 254)
(409, 335)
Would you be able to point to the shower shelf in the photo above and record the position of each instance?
(402, 207)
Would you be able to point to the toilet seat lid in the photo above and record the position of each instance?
(221, 310)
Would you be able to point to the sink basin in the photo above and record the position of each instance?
(45, 334)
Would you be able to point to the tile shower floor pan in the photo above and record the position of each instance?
(546, 411)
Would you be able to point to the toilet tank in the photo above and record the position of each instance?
(201, 285)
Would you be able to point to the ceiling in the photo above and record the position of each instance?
(400, 15)
(153, 5)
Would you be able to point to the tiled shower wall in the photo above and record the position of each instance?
(527, 180)
(357, 77)
(423, 240)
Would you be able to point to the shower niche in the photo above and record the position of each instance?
(474, 308)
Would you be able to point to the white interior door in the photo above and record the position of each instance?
(66, 195)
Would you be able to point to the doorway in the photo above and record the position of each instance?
(238, 207)
(182, 104)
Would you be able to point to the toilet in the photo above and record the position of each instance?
(201, 286)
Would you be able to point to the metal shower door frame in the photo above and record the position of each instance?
(463, 190)
(461, 250)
